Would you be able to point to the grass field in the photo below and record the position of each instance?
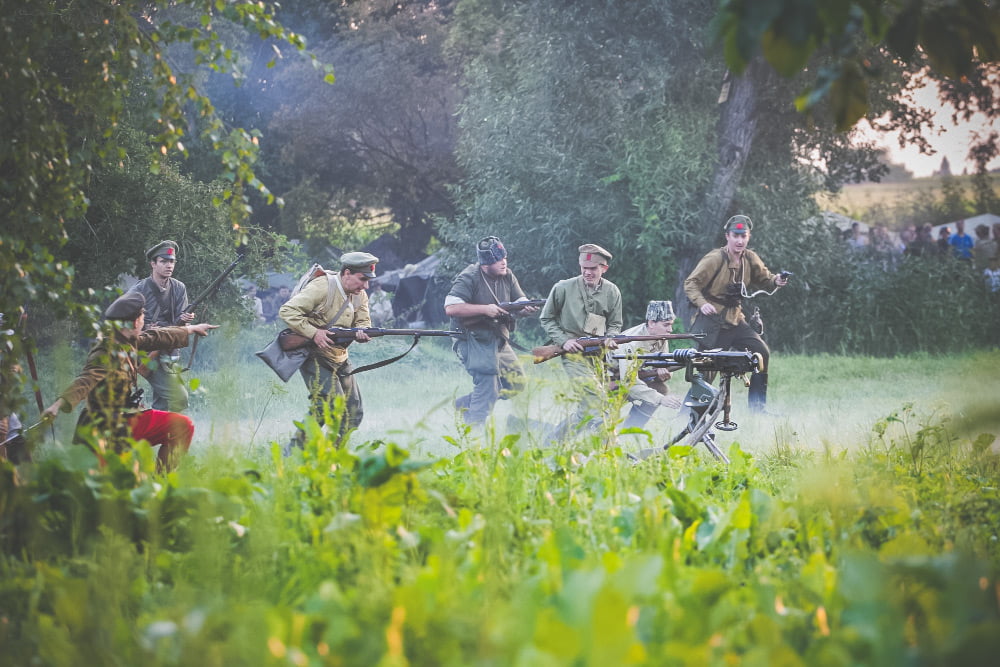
(858, 526)
(856, 198)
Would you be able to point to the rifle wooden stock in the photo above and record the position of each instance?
(594, 344)
(343, 336)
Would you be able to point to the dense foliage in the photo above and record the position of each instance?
(79, 78)
(509, 556)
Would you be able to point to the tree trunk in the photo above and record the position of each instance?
(737, 129)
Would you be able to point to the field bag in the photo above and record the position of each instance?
(710, 325)
(285, 363)
(477, 350)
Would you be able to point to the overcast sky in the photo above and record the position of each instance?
(953, 142)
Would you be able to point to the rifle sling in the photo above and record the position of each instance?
(386, 362)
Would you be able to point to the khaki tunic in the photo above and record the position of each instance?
(303, 313)
(110, 373)
(570, 301)
(710, 279)
(639, 391)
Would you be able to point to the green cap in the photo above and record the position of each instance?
(738, 224)
(359, 262)
(166, 249)
(126, 308)
(591, 252)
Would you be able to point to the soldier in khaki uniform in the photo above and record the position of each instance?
(717, 287)
(108, 383)
(647, 394)
(332, 300)
(587, 305)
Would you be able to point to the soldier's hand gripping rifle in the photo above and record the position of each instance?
(513, 309)
(293, 348)
(705, 402)
(593, 345)
(207, 294)
(344, 336)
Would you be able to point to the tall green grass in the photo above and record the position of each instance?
(860, 526)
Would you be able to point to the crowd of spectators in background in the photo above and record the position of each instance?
(981, 253)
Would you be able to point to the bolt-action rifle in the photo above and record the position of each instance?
(512, 308)
(289, 340)
(593, 345)
(208, 293)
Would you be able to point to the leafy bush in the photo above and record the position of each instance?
(505, 555)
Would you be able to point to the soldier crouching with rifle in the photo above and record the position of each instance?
(480, 302)
(717, 287)
(109, 383)
(332, 300)
(649, 391)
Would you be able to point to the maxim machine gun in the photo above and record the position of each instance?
(704, 402)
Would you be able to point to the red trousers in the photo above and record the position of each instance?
(170, 430)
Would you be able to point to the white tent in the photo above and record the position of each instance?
(988, 219)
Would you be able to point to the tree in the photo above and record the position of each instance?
(607, 124)
(382, 139)
(955, 39)
(66, 70)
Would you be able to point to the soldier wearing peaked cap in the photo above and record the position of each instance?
(332, 299)
(647, 394)
(717, 287)
(587, 305)
(166, 300)
(109, 379)
(484, 348)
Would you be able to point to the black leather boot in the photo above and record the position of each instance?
(757, 395)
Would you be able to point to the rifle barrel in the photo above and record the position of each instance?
(214, 286)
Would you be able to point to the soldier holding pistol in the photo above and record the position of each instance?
(717, 287)
(108, 383)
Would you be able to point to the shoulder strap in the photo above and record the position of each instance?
(722, 265)
(386, 362)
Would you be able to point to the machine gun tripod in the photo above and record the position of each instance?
(705, 403)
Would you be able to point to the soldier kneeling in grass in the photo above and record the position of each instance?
(109, 383)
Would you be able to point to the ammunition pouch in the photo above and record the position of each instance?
(733, 295)
(710, 325)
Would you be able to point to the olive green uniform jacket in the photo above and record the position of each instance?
(570, 302)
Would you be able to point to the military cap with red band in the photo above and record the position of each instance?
(165, 249)
(738, 224)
